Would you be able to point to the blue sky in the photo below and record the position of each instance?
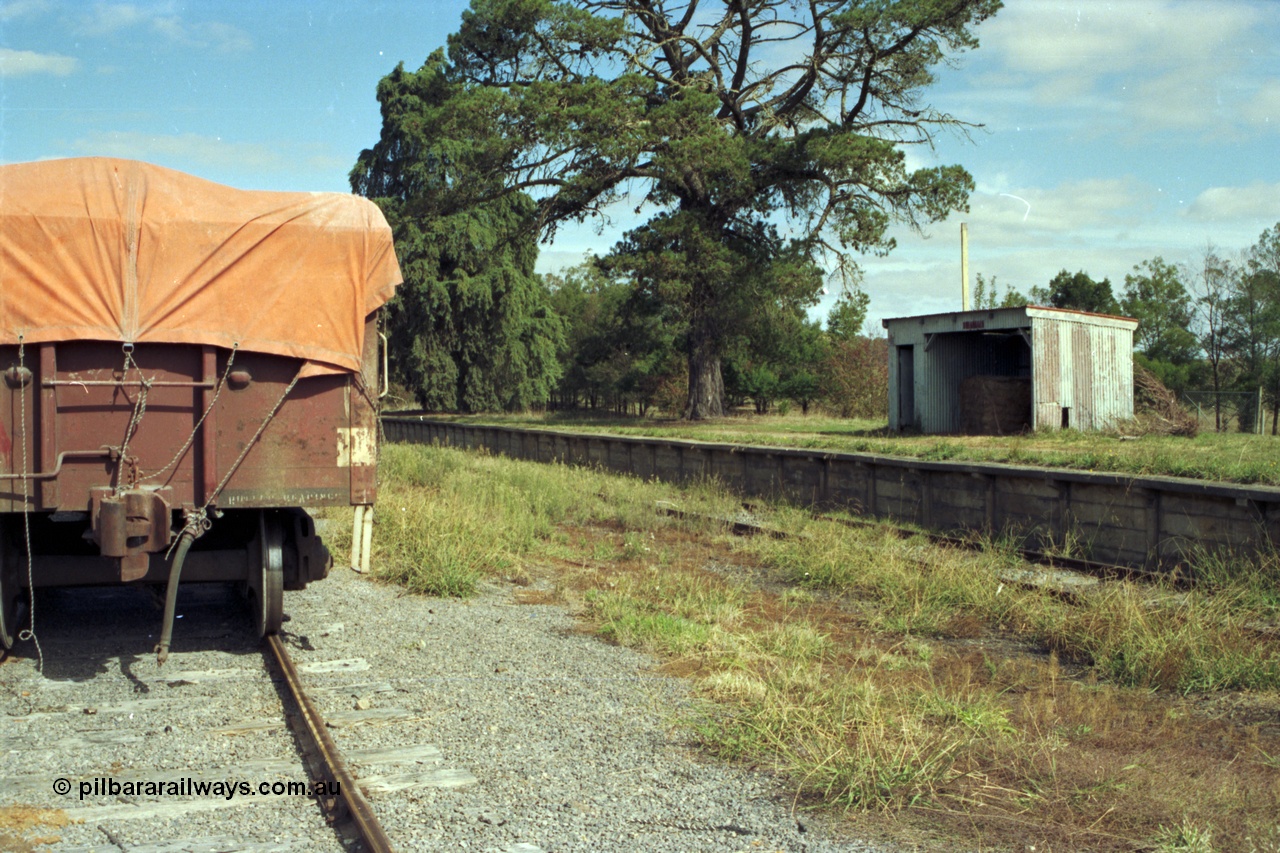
(1112, 131)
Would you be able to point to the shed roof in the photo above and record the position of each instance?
(992, 319)
(117, 250)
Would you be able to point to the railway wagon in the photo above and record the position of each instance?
(183, 368)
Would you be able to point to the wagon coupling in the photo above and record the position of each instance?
(131, 526)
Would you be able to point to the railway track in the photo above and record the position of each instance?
(224, 745)
(484, 724)
(343, 797)
(1054, 572)
(1068, 578)
(1061, 566)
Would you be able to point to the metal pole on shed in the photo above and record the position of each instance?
(964, 266)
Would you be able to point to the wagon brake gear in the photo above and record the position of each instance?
(144, 338)
(197, 525)
(306, 558)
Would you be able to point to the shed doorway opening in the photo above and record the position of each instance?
(907, 385)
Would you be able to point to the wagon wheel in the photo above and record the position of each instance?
(266, 576)
(10, 592)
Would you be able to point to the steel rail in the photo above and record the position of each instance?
(321, 746)
(1105, 571)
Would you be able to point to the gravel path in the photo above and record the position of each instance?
(480, 725)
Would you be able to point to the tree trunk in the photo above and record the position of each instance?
(1217, 401)
(706, 385)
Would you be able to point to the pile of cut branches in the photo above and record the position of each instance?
(1157, 409)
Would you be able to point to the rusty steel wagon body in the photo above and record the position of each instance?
(183, 368)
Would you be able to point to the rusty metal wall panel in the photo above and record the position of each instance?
(1081, 363)
(304, 456)
(895, 378)
(362, 439)
(1085, 368)
(1047, 387)
(1112, 376)
(319, 444)
(15, 395)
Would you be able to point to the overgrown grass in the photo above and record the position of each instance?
(884, 674)
(1139, 635)
(1229, 457)
(446, 520)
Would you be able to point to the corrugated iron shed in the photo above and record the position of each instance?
(1008, 369)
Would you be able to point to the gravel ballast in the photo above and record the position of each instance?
(547, 739)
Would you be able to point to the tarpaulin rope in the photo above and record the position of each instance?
(28, 633)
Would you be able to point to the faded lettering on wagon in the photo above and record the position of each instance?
(282, 497)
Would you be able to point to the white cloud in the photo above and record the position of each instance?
(1009, 215)
(1264, 107)
(1093, 38)
(320, 163)
(104, 19)
(18, 63)
(1151, 64)
(12, 10)
(930, 281)
(109, 18)
(222, 38)
(181, 151)
(1022, 236)
(1258, 201)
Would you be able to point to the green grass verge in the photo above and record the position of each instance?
(851, 676)
(1222, 636)
(447, 519)
(1227, 457)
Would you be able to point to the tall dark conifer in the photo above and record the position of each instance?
(763, 138)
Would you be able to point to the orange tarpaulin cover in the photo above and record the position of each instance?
(116, 250)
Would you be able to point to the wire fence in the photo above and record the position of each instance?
(1230, 411)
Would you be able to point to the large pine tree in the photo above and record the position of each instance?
(764, 137)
